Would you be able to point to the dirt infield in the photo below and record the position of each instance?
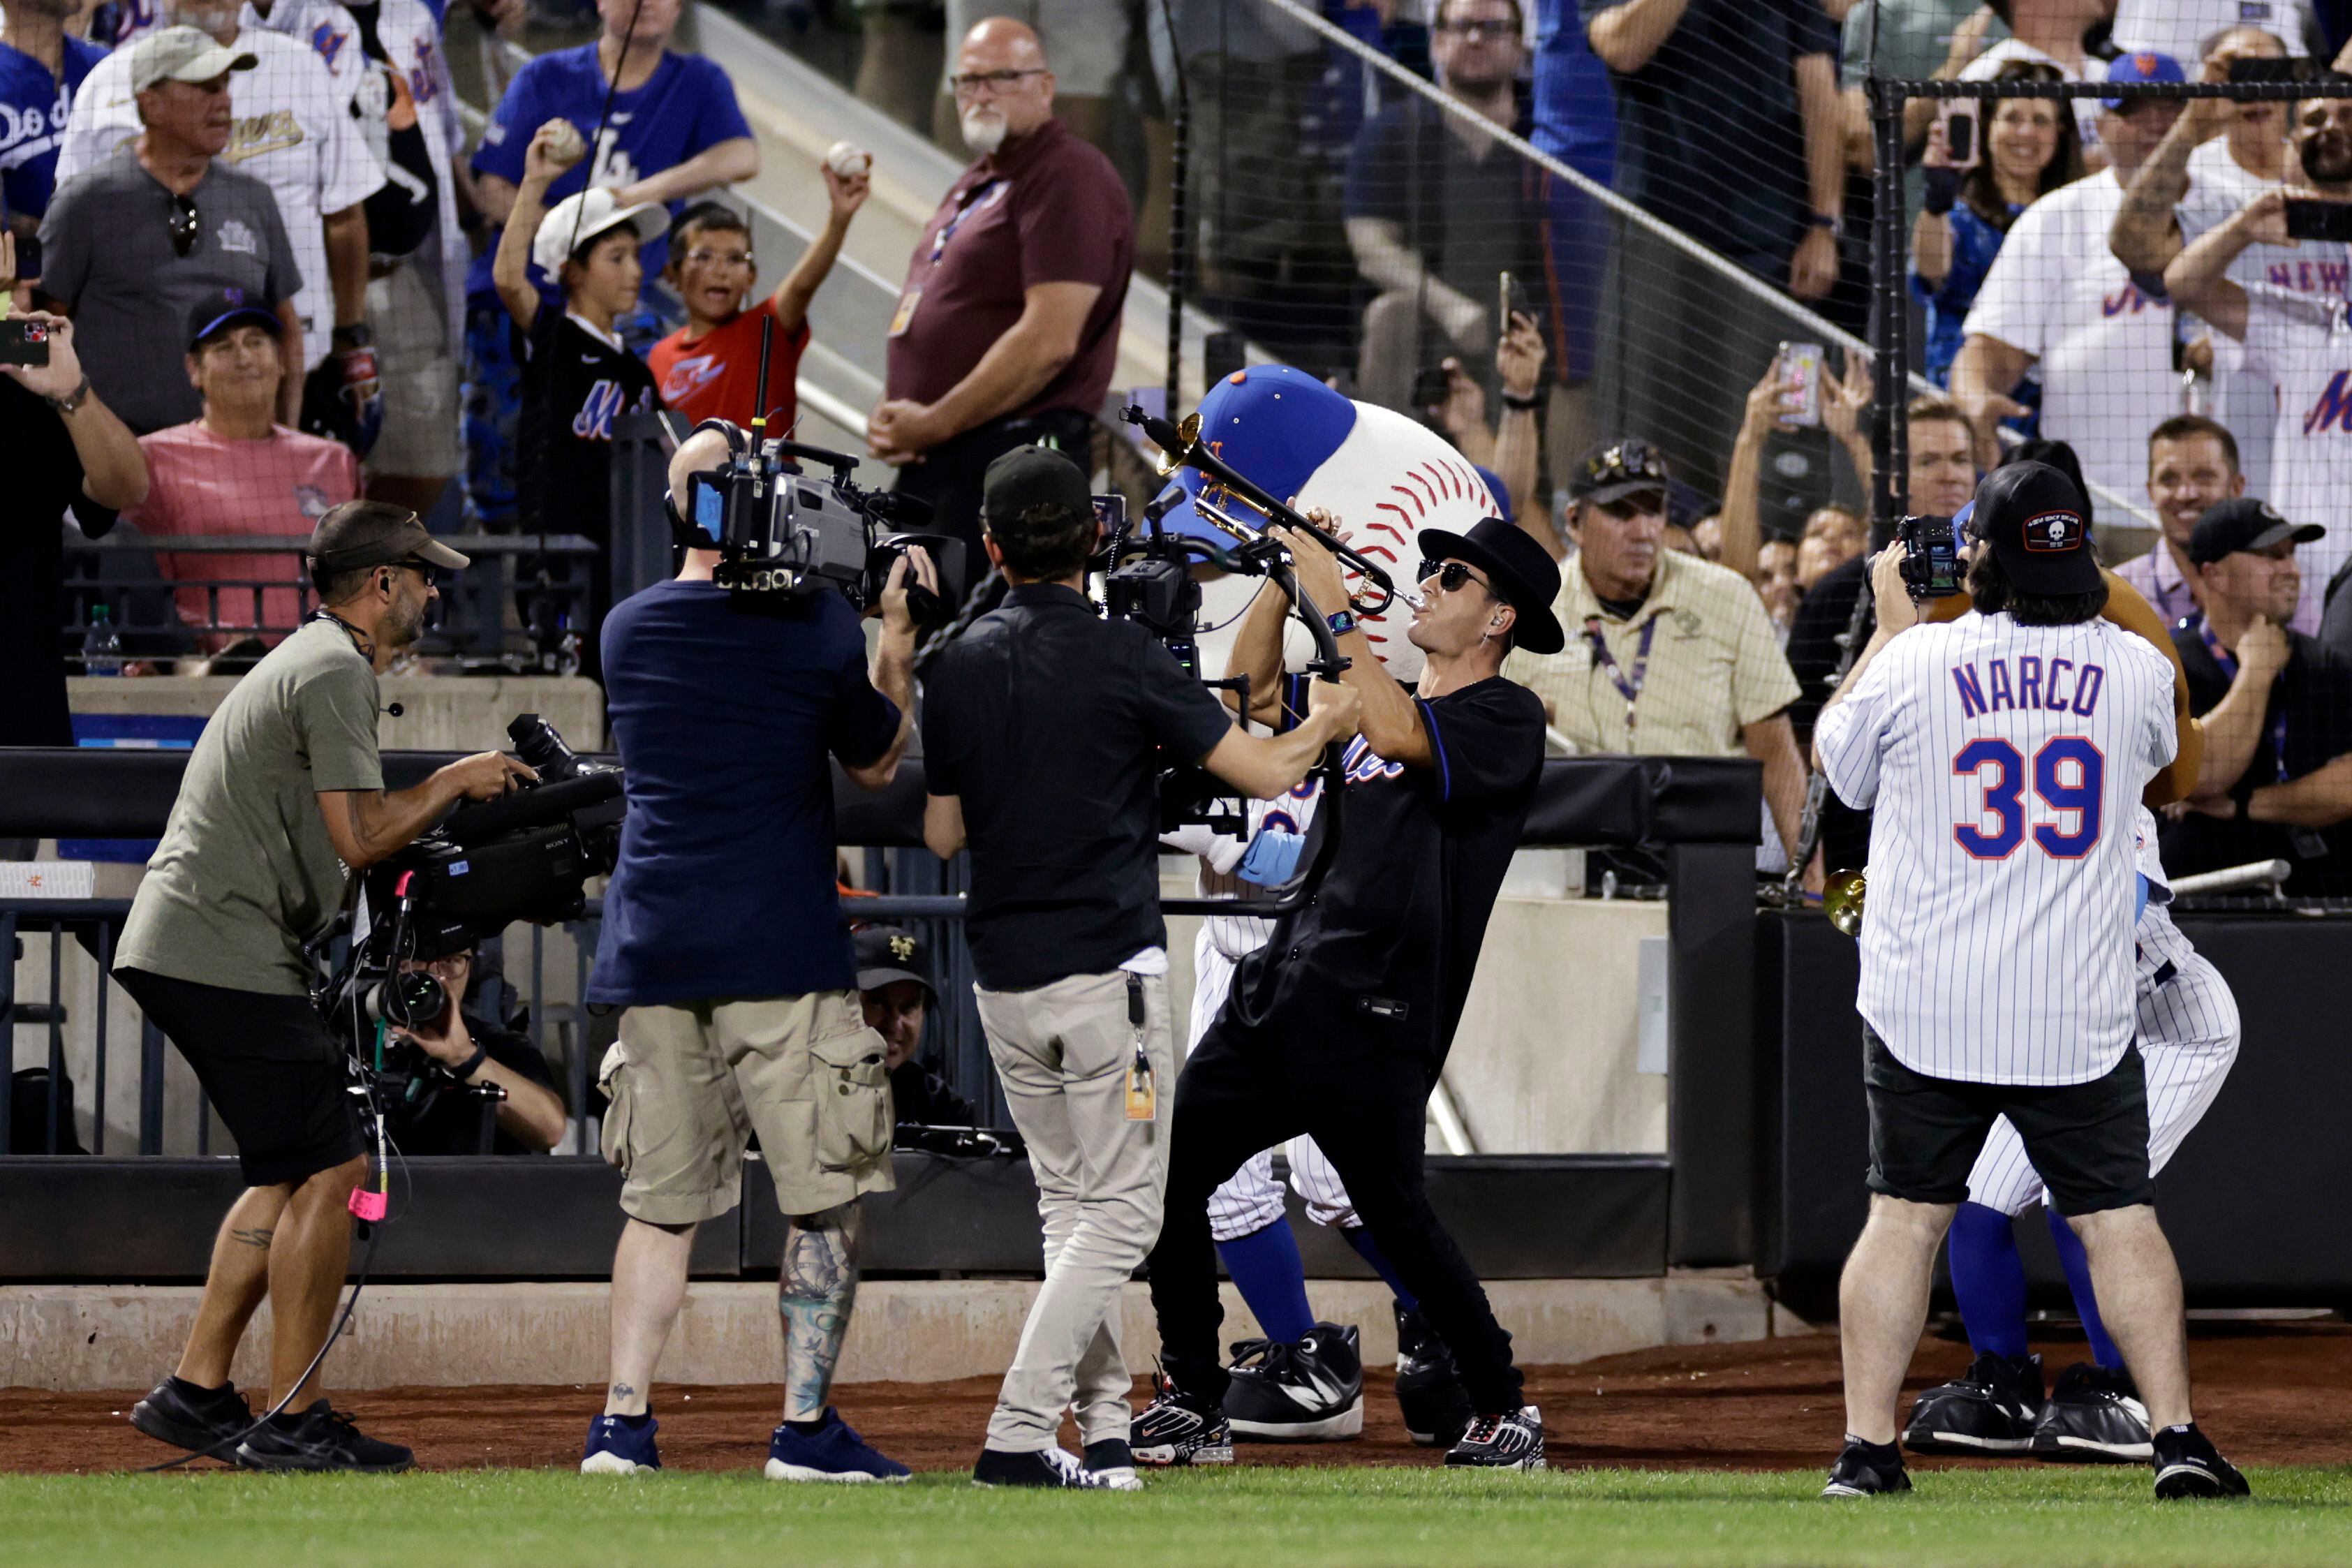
(2268, 1394)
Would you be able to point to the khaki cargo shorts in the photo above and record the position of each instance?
(690, 1085)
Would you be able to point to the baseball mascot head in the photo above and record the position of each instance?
(1384, 476)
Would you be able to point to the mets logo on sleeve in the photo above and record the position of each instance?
(2054, 530)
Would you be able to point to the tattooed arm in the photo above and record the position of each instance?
(813, 1294)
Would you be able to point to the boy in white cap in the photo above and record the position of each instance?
(577, 375)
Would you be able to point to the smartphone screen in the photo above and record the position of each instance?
(1961, 144)
(2309, 219)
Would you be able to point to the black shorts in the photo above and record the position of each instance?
(269, 1068)
(2089, 1141)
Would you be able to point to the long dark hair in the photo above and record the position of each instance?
(1978, 186)
(1991, 592)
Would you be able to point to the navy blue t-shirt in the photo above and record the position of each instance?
(687, 107)
(723, 708)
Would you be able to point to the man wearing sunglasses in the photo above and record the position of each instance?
(282, 799)
(162, 224)
(1339, 1026)
(1669, 654)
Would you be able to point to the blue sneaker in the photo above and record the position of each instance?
(834, 1452)
(621, 1445)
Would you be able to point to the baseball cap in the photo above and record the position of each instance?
(2148, 65)
(580, 218)
(1627, 467)
(221, 309)
(1033, 476)
(2244, 523)
(888, 954)
(2031, 515)
(182, 54)
(370, 533)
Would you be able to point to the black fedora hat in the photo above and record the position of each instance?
(1521, 570)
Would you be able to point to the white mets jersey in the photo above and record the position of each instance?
(2003, 765)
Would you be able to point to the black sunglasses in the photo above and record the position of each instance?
(184, 226)
(424, 569)
(1450, 574)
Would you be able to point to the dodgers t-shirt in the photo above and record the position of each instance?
(724, 707)
(33, 106)
(688, 106)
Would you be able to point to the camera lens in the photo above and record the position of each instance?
(406, 1001)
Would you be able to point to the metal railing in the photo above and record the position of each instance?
(539, 971)
(125, 572)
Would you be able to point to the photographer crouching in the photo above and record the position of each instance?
(463, 1065)
(282, 799)
(1044, 727)
(724, 940)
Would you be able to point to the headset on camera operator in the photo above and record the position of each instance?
(1044, 727)
(723, 936)
(282, 799)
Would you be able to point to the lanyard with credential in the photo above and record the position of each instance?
(1628, 687)
(964, 210)
(2278, 697)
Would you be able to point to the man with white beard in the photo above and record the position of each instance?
(1007, 327)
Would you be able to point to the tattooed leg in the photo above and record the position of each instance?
(648, 1288)
(815, 1293)
(236, 1286)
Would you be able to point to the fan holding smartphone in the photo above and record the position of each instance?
(1986, 162)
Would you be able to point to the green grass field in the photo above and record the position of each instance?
(1261, 1517)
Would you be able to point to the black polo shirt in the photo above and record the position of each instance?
(1381, 958)
(1048, 720)
(2311, 707)
(45, 477)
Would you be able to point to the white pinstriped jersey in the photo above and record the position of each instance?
(2002, 764)
(2189, 1035)
(1238, 936)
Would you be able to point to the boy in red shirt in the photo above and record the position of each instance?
(709, 368)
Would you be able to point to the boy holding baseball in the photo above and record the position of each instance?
(577, 375)
(709, 368)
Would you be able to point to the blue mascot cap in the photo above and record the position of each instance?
(1275, 423)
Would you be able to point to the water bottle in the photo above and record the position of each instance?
(101, 649)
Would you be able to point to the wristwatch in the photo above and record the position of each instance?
(472, 1063)
(1341, 622)
(1830, 221)
(356, 336)
(1528, 405)
(71, 400)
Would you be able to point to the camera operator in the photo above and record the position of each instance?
(1042, 730)
(723, 939)
(469, 1057)
(283, 797)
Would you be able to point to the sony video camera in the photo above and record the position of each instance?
(1931, 558)
(781, 529)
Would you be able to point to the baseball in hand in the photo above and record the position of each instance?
(848, 160)
(565, 145)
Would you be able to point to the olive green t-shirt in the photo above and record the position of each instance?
(245, 874)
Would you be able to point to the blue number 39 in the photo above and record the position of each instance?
(2075, 789)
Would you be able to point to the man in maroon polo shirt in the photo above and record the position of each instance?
(1007, 327)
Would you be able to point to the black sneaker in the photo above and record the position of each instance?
(1048, 1467)
(1177, 1429)
(201, 1420)
(319, 1438)
(1114, 1461)
(1312, 1391)
(2093, 1416)
(1512, 1442)
(1867, 1469)
(1429, 1392)
(2188, 1466)
(1991, 1411)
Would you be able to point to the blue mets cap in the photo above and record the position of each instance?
(1276, 424)
(2147, 66)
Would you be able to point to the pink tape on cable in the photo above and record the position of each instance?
(370, 1205)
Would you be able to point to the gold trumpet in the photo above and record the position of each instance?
(1842, 901)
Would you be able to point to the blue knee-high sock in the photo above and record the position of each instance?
(2078, 1264)
(1988, 1280)
(1360, 1238)
(1266, 1271)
